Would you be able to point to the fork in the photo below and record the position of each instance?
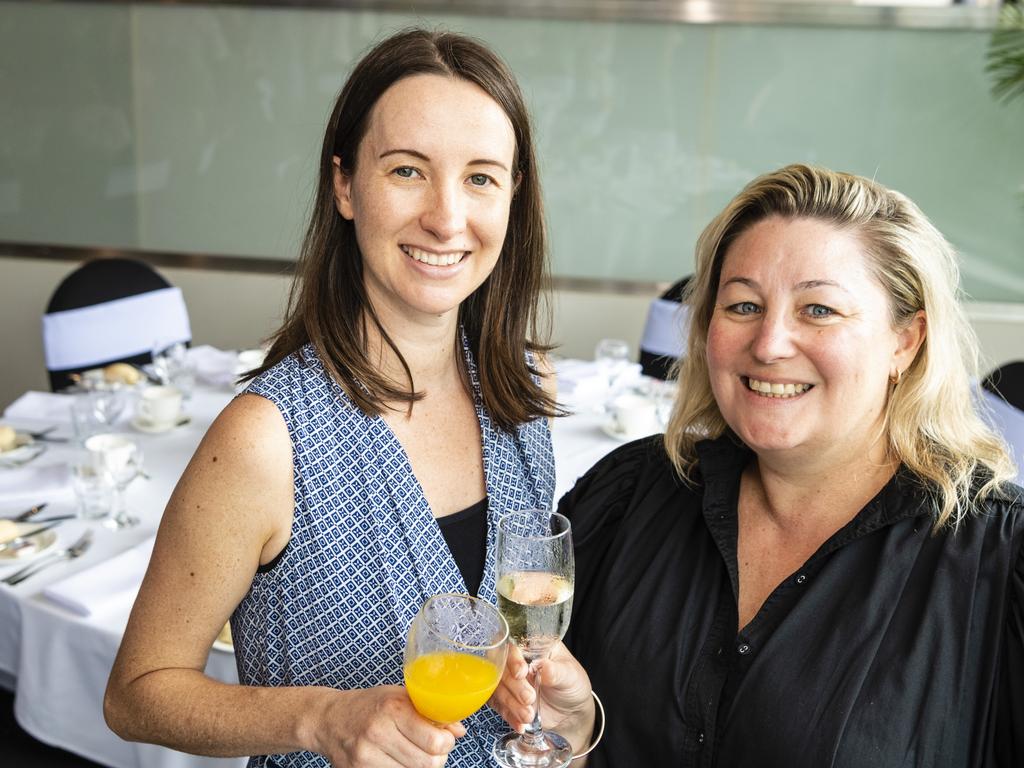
(75, 550)
(44, 435)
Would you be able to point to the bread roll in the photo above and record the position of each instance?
(121, 373)
(8, 438)
(225, 635)
(8, 531)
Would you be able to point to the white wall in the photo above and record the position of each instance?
(232, 310)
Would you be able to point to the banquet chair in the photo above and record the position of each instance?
(1007, 381)
(1008, 422)
(108, 311)
(664, 336)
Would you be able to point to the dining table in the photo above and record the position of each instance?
(56, 660)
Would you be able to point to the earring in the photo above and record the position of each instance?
(894, 379)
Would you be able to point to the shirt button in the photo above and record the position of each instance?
(743, 649)
(700, 737)
(801, 578)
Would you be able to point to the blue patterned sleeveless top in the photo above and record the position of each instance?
(365, 550)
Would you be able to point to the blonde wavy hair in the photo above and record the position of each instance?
(931, 425)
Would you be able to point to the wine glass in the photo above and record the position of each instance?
(120, 460)
(612, 358)
(535, 573)
(107, 404)
(454, 656)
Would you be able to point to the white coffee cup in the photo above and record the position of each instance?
(159, 406)
(634, 416)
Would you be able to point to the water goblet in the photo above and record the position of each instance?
(454, 656)
(119, 459)
(535, 577)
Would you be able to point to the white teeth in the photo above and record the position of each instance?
(768, 389)
(434, 259)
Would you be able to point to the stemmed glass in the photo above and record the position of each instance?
(612, 358)
(120, 460)
(454, 656)
(535, 575)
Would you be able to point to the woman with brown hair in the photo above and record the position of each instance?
(821, 563)
(403, 406)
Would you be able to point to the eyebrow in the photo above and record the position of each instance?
(803, 286)
(424, 158)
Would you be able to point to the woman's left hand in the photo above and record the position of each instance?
(565, 701)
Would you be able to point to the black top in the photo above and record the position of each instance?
(889, 647)
(466, 534)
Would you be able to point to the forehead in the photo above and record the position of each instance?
(438, 115)
(786, 252)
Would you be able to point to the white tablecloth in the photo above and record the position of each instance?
(59, 661)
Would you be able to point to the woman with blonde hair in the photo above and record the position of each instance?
(821, 562)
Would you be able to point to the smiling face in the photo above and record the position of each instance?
(429, 196)
(800, 345)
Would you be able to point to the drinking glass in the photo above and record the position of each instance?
(120, 460)
(172, 367)
(454, 656)
(535, 572)
(107, 404)
(612, 358)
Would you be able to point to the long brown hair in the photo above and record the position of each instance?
(328, 306)
(931, 426)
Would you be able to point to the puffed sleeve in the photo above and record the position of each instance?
(599, 499)
(1009, 746)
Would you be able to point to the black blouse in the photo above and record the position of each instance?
(890, 646)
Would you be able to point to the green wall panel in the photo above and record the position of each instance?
(197, 128)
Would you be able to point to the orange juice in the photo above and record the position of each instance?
(446, 686)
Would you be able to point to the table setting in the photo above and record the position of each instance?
(97, 483)
(98, 479)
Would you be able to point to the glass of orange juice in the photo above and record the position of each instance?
(454, 656)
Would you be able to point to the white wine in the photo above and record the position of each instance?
(537, 606)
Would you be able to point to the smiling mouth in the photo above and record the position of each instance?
(433, 259)
(776, 390)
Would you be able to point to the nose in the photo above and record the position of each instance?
(444, 213)
(773, 339)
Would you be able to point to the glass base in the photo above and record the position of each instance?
(513, 751)
(120, 522)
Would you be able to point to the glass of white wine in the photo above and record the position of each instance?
(535, 575)
(454, 656)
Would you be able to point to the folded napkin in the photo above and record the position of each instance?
(34, 483)
(105, 587)
(42, 406)
(588, 383)
(216, 367)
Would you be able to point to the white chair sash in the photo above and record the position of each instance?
(665, 329)
(122, 328)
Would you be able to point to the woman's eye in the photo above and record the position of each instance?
(480, 180)
(819, 310)
(405, 172)
(744, 308)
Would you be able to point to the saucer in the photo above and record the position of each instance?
(609, 429)
(43, 541)
(153, 428)
(25, 449)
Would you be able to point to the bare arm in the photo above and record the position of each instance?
(232, 510)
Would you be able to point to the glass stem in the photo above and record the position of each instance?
(118, 503)
(533, 735)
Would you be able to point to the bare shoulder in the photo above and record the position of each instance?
(548, 380)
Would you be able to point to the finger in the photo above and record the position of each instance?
(458, 730)
(426, 737)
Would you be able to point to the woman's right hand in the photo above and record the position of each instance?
(566, 705)
(380, 728)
